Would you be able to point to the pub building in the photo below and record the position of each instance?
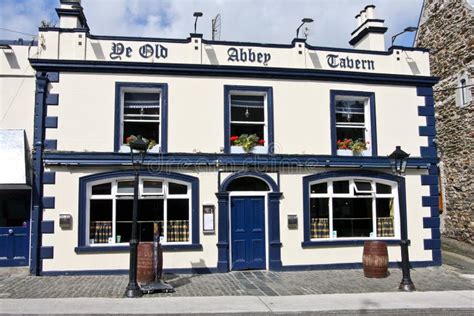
(261, 156)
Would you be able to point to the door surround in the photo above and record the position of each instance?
(272, 220)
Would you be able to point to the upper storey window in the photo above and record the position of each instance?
(141, 110)
(463, 91)
(248, 119)
(353, 123)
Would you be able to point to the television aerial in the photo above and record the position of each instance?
(216, 28)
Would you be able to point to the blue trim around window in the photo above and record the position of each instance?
(373, 125)
(163, 87)
(84, 181)
(353, 174)
(269, 93)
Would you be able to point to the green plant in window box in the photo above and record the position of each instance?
(151, 142)
(357, 146)
(248, 142)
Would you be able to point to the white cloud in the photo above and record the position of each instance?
(269, 21)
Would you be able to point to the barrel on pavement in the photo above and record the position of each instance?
(145, 272)
(375, 259)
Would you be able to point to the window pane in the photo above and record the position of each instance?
(247, 108)
(152, 187)
(363, 186)
(350, 133)
(385, 218)
(350, 118)
(178, 220)
(248, 184)
(100, 221)
(350, 107)
(319, 188)
(176, 188)
(102, 189)
(383, 188)
(239, 129)
(136, 112)
(149, 212)
(150, 131)
(340, 186)
(141, 99)
(352, 217)
(125, 187)
(319, 217)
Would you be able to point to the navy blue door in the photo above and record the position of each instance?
(248, 232)
(14, 243)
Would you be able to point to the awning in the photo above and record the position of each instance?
(15, 170)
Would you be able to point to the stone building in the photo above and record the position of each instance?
(446, 27)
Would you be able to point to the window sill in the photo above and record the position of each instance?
(348, 152)
(255, 150)
(153, 150)
(112, 249)
(322, 243)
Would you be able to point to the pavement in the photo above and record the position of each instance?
(445, 290)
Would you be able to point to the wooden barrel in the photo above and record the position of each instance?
(145, 271)
(375, 259)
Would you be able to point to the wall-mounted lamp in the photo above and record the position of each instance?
(303, 21)
(197, 15)
(408, 29)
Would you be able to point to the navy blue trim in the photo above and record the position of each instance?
(259, 175)
(51, 122)
(366, 31)
(58, 29)
(330, 243)
(229, 71)
(52, 99)
(47, 252)
(84, 181)
(273, 208)
(202, 159)
(354, 265)
(195, 35)
(49, 177)
(163, 87)
(235, 43)
(351, 173)
(270, 142)
(365, 23)
(51, 144)
(195, 270)
(47, 227)
(112, 249)
(373, 119)
(411, 49)
(53, 76)
(48, 202)
(19, 42)
(139, 39)
(37, 193)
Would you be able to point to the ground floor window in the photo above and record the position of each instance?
(161, 202)
(353, 208)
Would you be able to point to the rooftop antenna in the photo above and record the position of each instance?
(216, 28)
(197, 15)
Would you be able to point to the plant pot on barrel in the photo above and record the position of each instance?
(375, 259)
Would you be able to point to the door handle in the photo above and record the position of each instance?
(10, 231)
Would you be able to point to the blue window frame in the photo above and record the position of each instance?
(171, 200)
(350, 206)
(141, 109)
(353, 118)
(248, 110)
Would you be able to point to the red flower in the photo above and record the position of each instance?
(234, 138)
(261, 142)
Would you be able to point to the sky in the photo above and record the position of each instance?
(263, 21)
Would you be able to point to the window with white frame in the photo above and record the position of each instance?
(141, 115)
(161, 202)
(352, 124)
(248, 120)
(463, 91)
(353, 209)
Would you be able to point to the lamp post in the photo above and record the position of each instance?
(408, 29)
(303, 21)
(140, 146)
(196, 15)
(398, 162)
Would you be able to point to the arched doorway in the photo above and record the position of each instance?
(249, 234)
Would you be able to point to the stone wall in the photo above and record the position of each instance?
(447, 28)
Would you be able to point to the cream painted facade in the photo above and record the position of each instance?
(80, 87)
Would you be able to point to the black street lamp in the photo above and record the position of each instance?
(138, 146)
(398, 162)
(408, 29)
(196, 15)
(303, 21)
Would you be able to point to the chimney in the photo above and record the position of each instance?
(71, 15)
(369, 34)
